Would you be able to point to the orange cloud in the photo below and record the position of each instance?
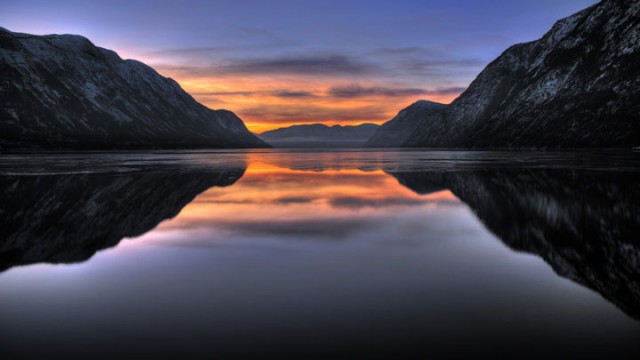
(267, 102)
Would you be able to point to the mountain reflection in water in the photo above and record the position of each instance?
(65, 214)
(584, 223)
(579, 212)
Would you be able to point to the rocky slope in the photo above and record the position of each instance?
(583, 223)
(61, 91)
(395, 133)
(578, 86)
(67, 217)
(319, 135)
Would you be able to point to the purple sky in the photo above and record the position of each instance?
(277, 62)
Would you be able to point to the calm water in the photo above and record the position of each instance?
(319, 254)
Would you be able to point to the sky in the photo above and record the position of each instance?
(277, 63)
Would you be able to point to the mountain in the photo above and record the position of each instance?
(320, 135)
(577, 86)
(67, 216)
(395, 133)
(61, 91)
(583, 223)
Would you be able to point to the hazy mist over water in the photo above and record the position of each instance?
(320, 254)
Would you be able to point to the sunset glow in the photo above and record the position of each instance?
(295, 62)
(263, 104)
(319, 179)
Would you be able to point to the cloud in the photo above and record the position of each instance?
(314, 65)
(186, 53)
(293, 200)
(288, 113)
(292, 94)
(310, 64)
(252, 40)
(439, 68)
(345, 92)
(355, 91)
(400, 64)
(268, 91)
(180, 71)
(400, 50)
(225, 93)
(454, 90)
(227, 202)
(409, 52)
(287, 94)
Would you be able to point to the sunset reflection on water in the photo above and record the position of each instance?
(270, 199)
(320, 253)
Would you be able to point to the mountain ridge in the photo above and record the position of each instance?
(395, 132)
(62, 91)
(575, 87)
(320, 135)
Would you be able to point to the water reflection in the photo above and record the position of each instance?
(68, 209)
(364, 248)
(585, 224)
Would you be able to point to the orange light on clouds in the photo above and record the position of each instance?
(270, 102)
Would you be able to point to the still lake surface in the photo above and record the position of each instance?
(401, 254)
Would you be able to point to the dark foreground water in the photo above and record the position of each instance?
(320, 255)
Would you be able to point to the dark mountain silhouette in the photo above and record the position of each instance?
(320, 135)
(61, 91)
(578, 86)
(394, 133)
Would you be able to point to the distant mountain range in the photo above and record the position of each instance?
(320, 135)
(578, 86)
(61, 91)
